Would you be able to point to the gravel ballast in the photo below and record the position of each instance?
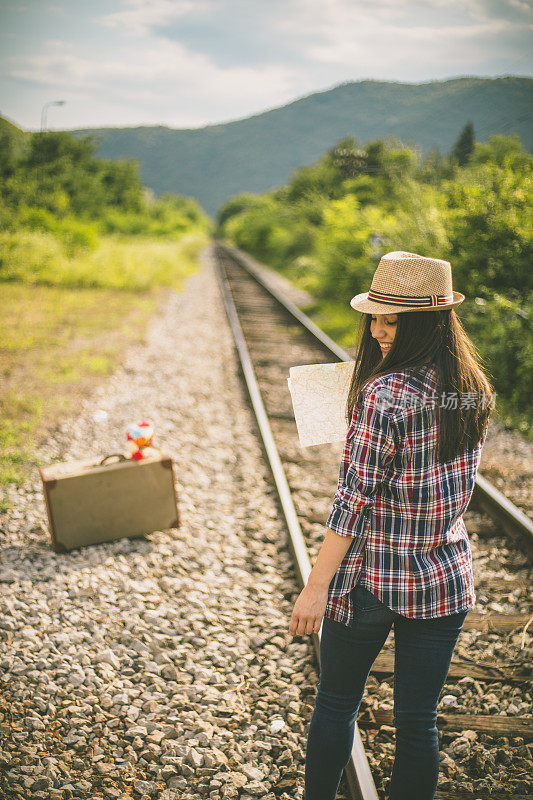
(159, 667)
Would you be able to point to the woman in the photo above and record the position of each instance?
(396, 550)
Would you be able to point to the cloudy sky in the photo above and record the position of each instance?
(187, 63)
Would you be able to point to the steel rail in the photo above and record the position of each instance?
(247, 262)
(358, 775)
(514, 522)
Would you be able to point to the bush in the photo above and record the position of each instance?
(77, 236)
(502, 330)
(327, 228)
(29, 256)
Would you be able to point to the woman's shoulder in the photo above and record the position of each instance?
(394, 390)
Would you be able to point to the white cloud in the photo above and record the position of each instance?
(381, 53)
(143, 15)
(376, 38)
(166, 60)
(167, 73)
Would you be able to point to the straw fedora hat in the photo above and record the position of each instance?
(408, 282)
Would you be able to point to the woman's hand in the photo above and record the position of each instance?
(308, 610)
(311, 604)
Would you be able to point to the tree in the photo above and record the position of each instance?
(348, 157)
(464, 146)
(490, 223)
(61, 173)
(435, 168)
(504, 151)
(8, 154)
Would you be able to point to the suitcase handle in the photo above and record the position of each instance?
(120, 456)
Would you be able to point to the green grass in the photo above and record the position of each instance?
(40, 258)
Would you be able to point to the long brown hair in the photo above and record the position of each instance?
(434, 338)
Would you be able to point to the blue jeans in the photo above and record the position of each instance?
(423, 651)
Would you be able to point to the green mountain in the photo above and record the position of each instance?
(258, 153)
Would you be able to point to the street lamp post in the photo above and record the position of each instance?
(45, 109)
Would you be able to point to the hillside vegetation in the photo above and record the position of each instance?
(86, 253)
(327, 228)
(257, 154)
(67, 217)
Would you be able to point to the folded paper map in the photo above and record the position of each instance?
(319, 393)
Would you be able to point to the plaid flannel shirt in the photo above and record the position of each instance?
(401, 507)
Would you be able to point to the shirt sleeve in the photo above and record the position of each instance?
(371, 448)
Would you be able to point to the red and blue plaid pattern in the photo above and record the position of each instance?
(403, 509)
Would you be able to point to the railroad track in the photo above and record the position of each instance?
(271, 335)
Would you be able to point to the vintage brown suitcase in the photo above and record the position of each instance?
(99, 500)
